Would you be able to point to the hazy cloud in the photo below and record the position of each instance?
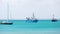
(19, 9)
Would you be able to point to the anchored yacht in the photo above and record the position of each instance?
(7, 21)
(54, 20)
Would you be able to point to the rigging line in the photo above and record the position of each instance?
(51, 9)
(7, 11)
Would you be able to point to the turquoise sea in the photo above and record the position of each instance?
(23, 27)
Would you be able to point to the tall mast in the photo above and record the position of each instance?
(53, 16)
(33, 15)
(7, 11)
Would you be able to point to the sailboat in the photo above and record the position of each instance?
(7, 21)
(32, 19)
(54, 20)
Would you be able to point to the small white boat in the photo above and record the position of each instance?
(7, 21)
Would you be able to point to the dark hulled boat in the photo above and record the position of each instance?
(54, 20)
(6, 23)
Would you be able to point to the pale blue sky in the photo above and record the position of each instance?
(19, 9)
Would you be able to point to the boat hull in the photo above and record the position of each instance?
(54, 20)
(6, 23)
